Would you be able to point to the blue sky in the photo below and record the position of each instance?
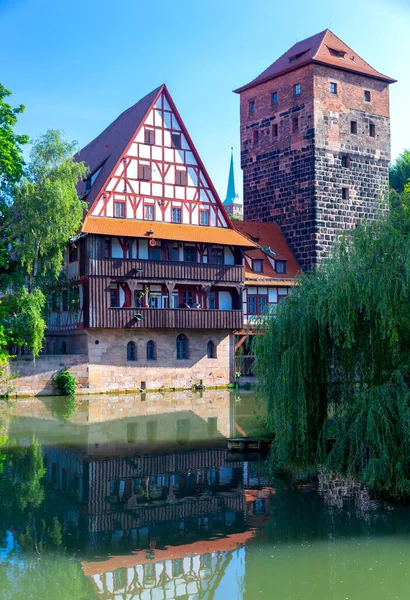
(77, 64)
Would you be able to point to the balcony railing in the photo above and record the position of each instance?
(167, 318)
(165, 270)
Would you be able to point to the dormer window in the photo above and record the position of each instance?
(297, 56)
(90, 180)
(337, 53)
(257, 265)
(280, 267)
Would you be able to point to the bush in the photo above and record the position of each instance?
(65, 383)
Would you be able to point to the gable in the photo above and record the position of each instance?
(158, 175)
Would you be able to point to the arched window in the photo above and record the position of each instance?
(131, 351)
(182, 346)
(211, 349)
(151, 350)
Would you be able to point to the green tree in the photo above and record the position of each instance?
(46, 210)
(339, 353)
(400, 172)
(11, 157)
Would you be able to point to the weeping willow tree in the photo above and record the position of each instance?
(335, 362)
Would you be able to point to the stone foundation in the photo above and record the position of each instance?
(105, 368)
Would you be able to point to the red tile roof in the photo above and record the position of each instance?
(322, 48)
(268, 235)
(165, 231)
(106, 149)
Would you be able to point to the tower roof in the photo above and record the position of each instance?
(231, 194)
(324, 48)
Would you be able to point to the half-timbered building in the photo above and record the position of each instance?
(158, 264)
(270, 274)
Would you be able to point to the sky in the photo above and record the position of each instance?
(77, 64)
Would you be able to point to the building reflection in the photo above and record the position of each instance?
(154, 495)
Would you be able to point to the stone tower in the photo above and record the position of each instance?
(315, 143)
(232, 204)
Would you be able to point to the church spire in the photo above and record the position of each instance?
(231, 194)
(231, 203)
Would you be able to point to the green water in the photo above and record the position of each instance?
(138, 498)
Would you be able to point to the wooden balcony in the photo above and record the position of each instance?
(167, 318)
(161, 270)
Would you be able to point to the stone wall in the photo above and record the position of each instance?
(296, 178)
(32, 378)
(110, 370)
(105, 367)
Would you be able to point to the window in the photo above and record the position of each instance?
(176, 215)
(252, 305)
(212, 300)
(155, 300)
(337, 53)
(274, 97)
(257, 265)
(174, 253)
(176, 140)
(151, 350)
(149, 137)
(64, 299)
(107, 248)
(119, 208)
(280, 267)
(367, 96)
(114, 297)
(182, 347)
(190, 254)
(353, 127)
(252, 106)
(72, 253)
(372, 130)
(217, 256)
(155, 253)
(255, 137)
(144, 172)
(295, 124)
(345, 193)
(346, 161)
(138, 299)
(275, 130)
(211, 349)
(188, 298)
(131, 351)
(149, 212)
(333, 88)
(180, 178)
(296, 89)
(262, 302)
(204, 217)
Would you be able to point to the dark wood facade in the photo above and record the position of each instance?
(97, 274)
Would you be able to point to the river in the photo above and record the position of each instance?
(137, 498)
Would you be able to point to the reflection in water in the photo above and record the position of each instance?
(140, 499)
